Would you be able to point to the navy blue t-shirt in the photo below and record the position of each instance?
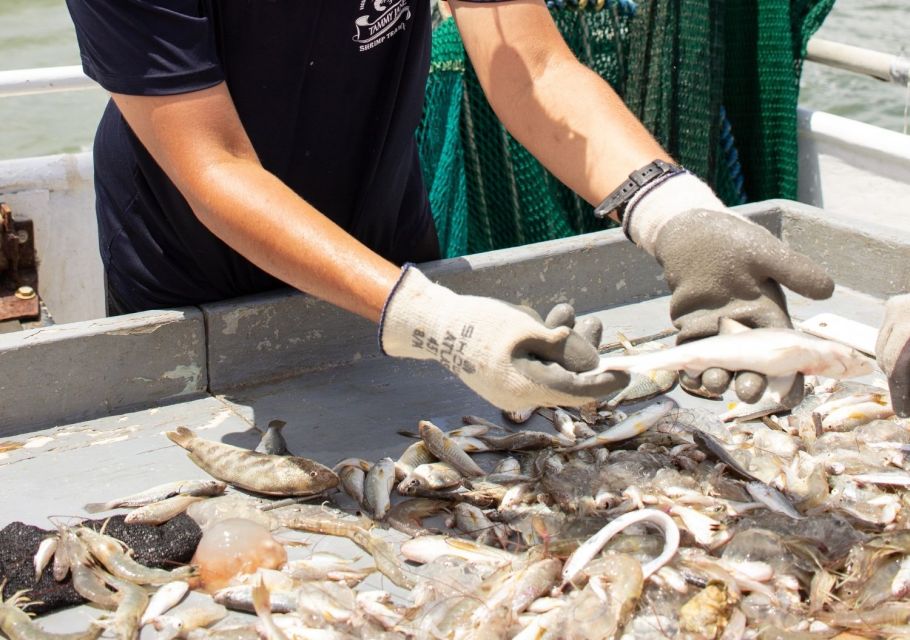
(329, 91)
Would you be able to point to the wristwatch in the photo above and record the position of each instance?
(650, 173)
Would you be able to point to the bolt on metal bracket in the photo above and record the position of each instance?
(19, 299)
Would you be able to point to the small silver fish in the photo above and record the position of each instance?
(849, 417)
(470, 519)
(525, 441)
(643, 385)
(773, 499)
(181, 622)
(713, 447)
(352, 473)
(430, 477)
(165, 599)
(161, 492)
(508, 465)
(415, 455)
(773, 352)
(425, 549)
(477, 420)
(447, 450)
(160, 512)
(407, 516)
(377, 488)
(632, 426)
(43, 556)
(240, 598)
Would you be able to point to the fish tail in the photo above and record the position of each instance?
(95, 507)
(278, 425)
(182, 436)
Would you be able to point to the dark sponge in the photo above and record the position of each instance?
(165, 546)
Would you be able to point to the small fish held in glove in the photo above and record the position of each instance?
(772, 352)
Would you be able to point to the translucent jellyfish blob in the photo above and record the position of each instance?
(235, 546)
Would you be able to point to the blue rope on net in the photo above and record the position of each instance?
(732, 155)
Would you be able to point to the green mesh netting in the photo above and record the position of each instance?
(716, 82)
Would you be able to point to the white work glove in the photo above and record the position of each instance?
(892, 350)
(504, 353)
(719, 265)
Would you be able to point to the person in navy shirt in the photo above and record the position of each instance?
(250, 143)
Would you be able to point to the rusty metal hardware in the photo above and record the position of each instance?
(18, 268)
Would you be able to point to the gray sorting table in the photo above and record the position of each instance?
(90, 401)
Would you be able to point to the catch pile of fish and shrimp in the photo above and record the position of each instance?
(629, 518)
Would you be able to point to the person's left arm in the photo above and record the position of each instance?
(545, 97)
(716, 263)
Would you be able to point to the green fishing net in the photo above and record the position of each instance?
(716, 82)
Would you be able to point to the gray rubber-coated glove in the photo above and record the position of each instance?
(720, 265)
(892, 350)
(502, 352)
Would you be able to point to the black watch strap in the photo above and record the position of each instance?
(618, 200)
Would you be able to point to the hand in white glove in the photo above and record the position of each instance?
(719, 265)
(893, 352)
(502, 352)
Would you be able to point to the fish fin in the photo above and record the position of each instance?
(729, 326)
(261, 599)
(95, 507)
(617, 400)
(181, 436)
(625, 342)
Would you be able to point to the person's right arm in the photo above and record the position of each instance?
(198, 140)
(504, 354)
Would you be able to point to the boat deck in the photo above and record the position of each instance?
(262, 360)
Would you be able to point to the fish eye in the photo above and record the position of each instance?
(313, 474)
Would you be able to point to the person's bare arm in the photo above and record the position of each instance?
(563, 112)
(199, 141)
(717, 264)
(494, 348)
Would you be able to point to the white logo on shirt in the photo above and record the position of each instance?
(385, 19)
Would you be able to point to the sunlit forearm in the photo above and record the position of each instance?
(198, 140)
(564, 113)
(577, 126)
(282, 234)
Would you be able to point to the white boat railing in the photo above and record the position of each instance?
(24, 82)
(884, 66)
